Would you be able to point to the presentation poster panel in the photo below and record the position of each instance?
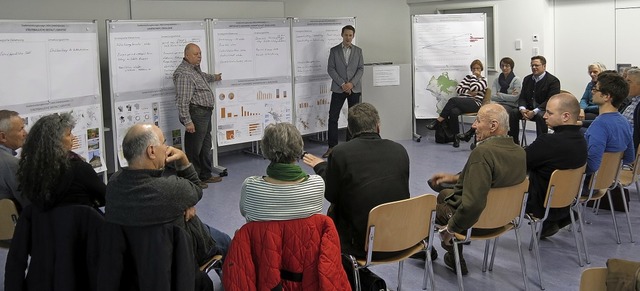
(52, 67)
(254, 58)
(143, 56)
(313, 96)
(312, 40)
(444, 45)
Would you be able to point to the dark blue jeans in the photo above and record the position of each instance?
(337, 100)
(198, 145)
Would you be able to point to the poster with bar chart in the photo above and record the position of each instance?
(142, 58)
(443, 47)
(254, 57)
(312, 39)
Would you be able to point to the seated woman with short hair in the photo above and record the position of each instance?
(286, 192)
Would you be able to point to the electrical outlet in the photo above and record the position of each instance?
(534, 38)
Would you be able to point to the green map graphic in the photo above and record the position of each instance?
(442, 87)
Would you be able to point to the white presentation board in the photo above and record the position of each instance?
(53, 67)
(254, 57)
(142, 58)
(443, 47)
(312, 39)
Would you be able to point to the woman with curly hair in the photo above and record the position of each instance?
(50, 174)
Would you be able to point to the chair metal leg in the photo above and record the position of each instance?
(428, 267)
(575, 236)
(456, 253)
(638, 188)
(461, 120)
(534, 232)
(596, 206)
(356, 274)
(536, 251)
(523, 139)
(613, 216)
(626, 211)
(493, 253)
(522, 264)
(487, 244)
(584, 241)
(400, 269)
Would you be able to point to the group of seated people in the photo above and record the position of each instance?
(525, 99)
(357, 176)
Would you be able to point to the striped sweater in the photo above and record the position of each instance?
(472, 83)
(264, 201)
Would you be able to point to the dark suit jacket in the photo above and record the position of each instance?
(540, 91)
(636, 127)
(361, 174)
(341, 72)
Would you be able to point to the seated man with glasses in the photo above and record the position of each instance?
(537, 88)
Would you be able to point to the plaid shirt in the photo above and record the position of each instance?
(192, 87)
(628, 112)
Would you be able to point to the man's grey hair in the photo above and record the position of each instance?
(137, 140)
(5, 119)
(363, 118)
(282, 143)
(634, 74)
(499, 114)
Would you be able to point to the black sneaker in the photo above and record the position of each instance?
(450, 263)
(423, 255)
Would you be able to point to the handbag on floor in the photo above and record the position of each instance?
(443, 134)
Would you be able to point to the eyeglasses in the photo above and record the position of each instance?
(594, 89)
(535, 65)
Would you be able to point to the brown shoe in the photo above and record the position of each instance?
(213, 179)
(203, 185)
(326, 154)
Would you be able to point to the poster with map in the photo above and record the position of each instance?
(444, 45)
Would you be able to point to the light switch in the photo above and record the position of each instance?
(535, 51)
(518, 44)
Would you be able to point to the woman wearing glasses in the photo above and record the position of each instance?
(470, 91)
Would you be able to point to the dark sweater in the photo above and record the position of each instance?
(540, 91)
(566, 148)
(146, 197)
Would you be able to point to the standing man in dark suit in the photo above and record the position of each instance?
(537, 88)
(346, 66)
(633, 79)
(194, 98)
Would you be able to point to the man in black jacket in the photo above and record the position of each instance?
(537, 88)
(566, 148)
(361, 174)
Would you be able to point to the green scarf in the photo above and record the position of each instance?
(285, 172)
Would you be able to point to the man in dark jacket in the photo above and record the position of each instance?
(537, 88)
(140, 195)
(566, 148)
(361, 174)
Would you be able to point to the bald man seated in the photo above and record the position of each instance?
(141, 195)
(495, 162)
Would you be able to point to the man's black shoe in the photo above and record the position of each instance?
(549, 230)
(432, 125)
(467, 135)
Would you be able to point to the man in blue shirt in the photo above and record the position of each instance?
(610, 131)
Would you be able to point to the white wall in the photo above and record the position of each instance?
(145, 9)
(382, 26)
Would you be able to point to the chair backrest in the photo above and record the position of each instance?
(594, 279)
(8, 218)
(487, 97)
(608, 171)
(503, 205)
(401, 224)
(565, 185)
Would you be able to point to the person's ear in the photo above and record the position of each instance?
(3, 137)
(151, 152)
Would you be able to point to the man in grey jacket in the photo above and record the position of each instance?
(345, 66)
